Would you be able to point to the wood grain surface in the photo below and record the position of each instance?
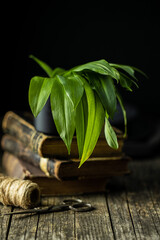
(130, 209)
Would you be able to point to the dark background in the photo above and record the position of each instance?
(66, 34)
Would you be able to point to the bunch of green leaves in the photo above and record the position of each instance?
(82, 100)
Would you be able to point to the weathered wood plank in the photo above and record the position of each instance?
(130, 210)
(155, 196)
(58, 225)
(143, 199)
(94, 225)
(23, 227)
(4, 222)
(144, 215)
(134, 202)
(120, 216)
(44, 226)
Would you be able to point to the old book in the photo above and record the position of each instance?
(15, 167)
(49, 146)
(65, 169)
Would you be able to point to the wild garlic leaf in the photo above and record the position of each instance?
(94, 122)
(125, 83)
(81, 117)
(80, 128)
(73, 88)
(104, 86)
(109, 89)
(110, 135)
(96, 130)
(63, 113)
(43, 65)
(90, 122)
(81, 123)
(101, 67)
(129, 70)
(57, 71)
(139, 71)
(39, 91)
(50, 72)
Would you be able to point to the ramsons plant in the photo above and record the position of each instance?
(82, 100)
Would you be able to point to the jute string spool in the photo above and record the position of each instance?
(19, 193)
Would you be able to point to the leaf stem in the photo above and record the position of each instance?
(124, 113)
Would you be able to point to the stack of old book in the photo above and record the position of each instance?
(29, 154)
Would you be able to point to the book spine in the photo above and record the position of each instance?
(12, 145)
(24, 131)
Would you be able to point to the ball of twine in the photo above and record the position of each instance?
(19, 193)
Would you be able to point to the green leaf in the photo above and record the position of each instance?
(73, 88)
(125, 83)
(50, 72)
(81, 123)
(126, 68)
(57, 71)
(63, 113)
(110, 135)
(123, 111)
(94, 124)
(140, 71)
(39, 91)
(105, 89)
(129, 69)
(91, 118)
(43, 65)
(101, 67)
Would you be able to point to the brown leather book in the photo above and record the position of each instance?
(15, 167)
(49, 146)
(65, 169)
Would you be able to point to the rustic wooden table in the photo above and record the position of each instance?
(130, 209)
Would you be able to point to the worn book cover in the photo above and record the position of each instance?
(15, 167)
(63, 169)
(49, 146)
